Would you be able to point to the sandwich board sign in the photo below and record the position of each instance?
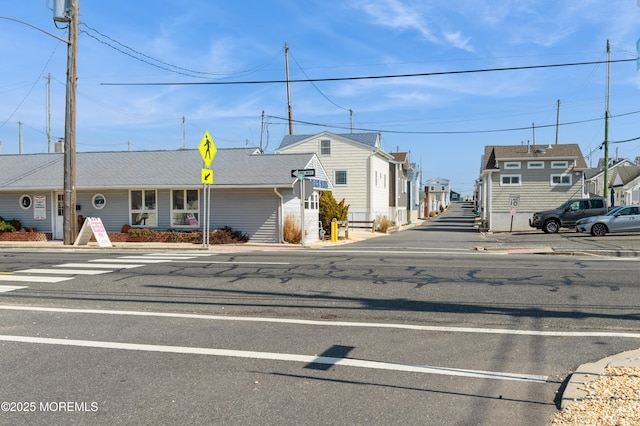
(93, 226)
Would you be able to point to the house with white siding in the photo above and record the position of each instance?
(437, 195)
(519, 180)
(252, 192)
(357, 167)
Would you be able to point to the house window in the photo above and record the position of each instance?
(325, 147)
(509, 165)
(142, 208)
(185, 207)
(25, 201)
(561, 180)
(313, 202)
(99, 201)
(559, 164)
(340, 177)
(509, 180)
(535, 165)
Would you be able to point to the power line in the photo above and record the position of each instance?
(457, 132)
(166, 66)
(372, 77)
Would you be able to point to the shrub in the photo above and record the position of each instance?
(383, 223)
(143, 234)
(432, 213)
(6, 226)
(292, 232)
(226, 235)
(330, 209)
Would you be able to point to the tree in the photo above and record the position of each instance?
(330, 209)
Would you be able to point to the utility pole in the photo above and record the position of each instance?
(69, 214)
(286, 67)
(606, 127)
(19, 137)
(183, 134)
(49, 112)
(557, 121)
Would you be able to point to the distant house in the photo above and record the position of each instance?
(359, 170)
(518, 180)
(400, 196)
(623, 176)
(437, 195)
(252, 192)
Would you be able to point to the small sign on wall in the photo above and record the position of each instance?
(39, 207)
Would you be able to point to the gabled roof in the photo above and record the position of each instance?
(233, 168)
(369, 139)
(402, 158)
(569, 151)
(624, 174)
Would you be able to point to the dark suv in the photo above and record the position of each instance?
(566, 216)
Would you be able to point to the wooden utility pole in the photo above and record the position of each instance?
(606, 127)
(557, 121)
(286, 66)
(69, 214)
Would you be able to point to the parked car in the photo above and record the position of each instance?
(619, 219)
(566, 216)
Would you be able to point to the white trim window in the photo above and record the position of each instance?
(99, 201)
(312, 202)
(535, 165)
(185, 208)
(561, 180)
(340, 177)
(510, 180)
(512, 165)
(559, 164)
(325, 146)
(143, 208)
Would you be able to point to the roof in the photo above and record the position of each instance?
(241, 167)
(570, 151)
(369, 139)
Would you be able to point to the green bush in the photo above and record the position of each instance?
(330, 209)
(7, 225)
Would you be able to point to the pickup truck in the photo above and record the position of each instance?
(566, 216)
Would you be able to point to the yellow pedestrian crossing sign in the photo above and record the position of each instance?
(207, 148)
(207, 176)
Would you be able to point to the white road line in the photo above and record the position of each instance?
(181, 254)
(64, 271)
(6, 288)
(130, 259)
(97, 265)
(233, 262)
(472, 330)
(33, 278)
(274, 356)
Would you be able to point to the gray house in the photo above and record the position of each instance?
(252, 192)
(518, 180)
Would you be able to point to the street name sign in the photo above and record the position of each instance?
(303, 173)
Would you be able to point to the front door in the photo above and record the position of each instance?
(58, 225)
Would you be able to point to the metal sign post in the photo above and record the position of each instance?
(207, 148)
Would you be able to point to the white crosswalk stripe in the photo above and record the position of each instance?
(92, 267)
(6, 288)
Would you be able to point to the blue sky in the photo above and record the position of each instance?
(444, 121)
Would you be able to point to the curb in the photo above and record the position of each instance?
(587, 373)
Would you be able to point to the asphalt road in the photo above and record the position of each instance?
(379, 332)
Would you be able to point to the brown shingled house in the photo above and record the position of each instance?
(518, 180)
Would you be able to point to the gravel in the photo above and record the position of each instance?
(613, 399)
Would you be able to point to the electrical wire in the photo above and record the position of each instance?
(457, 132)
(32, 87)
(166, 66)
(371, 77)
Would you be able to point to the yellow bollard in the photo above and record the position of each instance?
(334, 231)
